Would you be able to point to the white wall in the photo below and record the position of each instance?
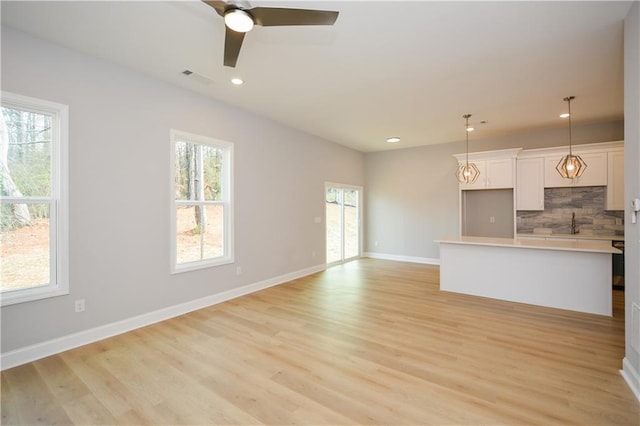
(411, 195)
(119, 191)
(632, 190)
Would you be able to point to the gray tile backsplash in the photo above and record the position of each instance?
(587, 203)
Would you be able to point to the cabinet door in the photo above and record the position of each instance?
(615, 180)
(594, 175)
(596, 172)
(482, 178)
(552, 178)
(530, 184)
(499, 173)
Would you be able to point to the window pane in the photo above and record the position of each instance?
(212, 169)
(28, 153)
(182, 165)
(213, 236)
(334, 224)
(24, 245)
(199, 236)
(197, 172)
(351, 224)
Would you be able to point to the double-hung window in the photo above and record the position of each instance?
(33, 199)
(202, 208)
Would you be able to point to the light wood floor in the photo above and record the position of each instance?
(369, 342)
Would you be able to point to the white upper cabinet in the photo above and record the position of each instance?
(500, 173)
(615, 180)
(497, 169)
(530, 183)
(594, 175)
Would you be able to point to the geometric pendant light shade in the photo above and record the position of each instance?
(468, 172)
(571, 166)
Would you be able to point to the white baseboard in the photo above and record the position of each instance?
(64, 343)
(631, 376)
(410, 259)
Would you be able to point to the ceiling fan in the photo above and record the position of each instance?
(239, 18)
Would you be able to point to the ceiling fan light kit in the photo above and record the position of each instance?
(570, 166)
(240, 19)
(468, 172)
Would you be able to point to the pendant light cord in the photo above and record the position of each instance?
(466, 130)
(568, 99)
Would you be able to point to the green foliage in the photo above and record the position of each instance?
(196, 229)
(28, 161)
(7, 220)
(29, 152)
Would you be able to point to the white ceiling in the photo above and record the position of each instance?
(386, 68)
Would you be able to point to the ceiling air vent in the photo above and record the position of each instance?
(197, 77)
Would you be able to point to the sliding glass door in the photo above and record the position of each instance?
(343, 221)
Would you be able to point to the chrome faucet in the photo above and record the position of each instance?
(573, 224)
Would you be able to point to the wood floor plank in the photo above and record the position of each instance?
(34, 402)
(368, 342)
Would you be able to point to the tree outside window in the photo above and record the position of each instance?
(202, 202)
(32, 207)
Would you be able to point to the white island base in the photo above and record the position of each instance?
(566, 275)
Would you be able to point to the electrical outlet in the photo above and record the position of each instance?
(238, 270)
(80, 305)
(375, 244)
(492, 219)
(313, 254)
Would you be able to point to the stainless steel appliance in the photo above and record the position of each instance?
(618, 266)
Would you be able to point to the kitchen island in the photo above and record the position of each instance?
(573, 275)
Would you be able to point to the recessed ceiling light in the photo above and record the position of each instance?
(237, 81)
(393, 139)
(565, 115)
(470, 129)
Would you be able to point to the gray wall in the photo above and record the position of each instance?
(632, 184)
(487, 213)
(119, 190)
(411, 195)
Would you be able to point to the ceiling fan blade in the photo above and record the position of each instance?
(232, 44)
(219, 5)
(275, 16)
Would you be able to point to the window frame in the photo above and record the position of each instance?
(226, 202)
(58, 200)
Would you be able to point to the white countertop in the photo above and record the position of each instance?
(574, 236)
(523, 243)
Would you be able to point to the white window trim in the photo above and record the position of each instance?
(228, 227)
(59, 202)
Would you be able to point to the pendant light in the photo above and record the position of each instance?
(570, 166)
(468, 172)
